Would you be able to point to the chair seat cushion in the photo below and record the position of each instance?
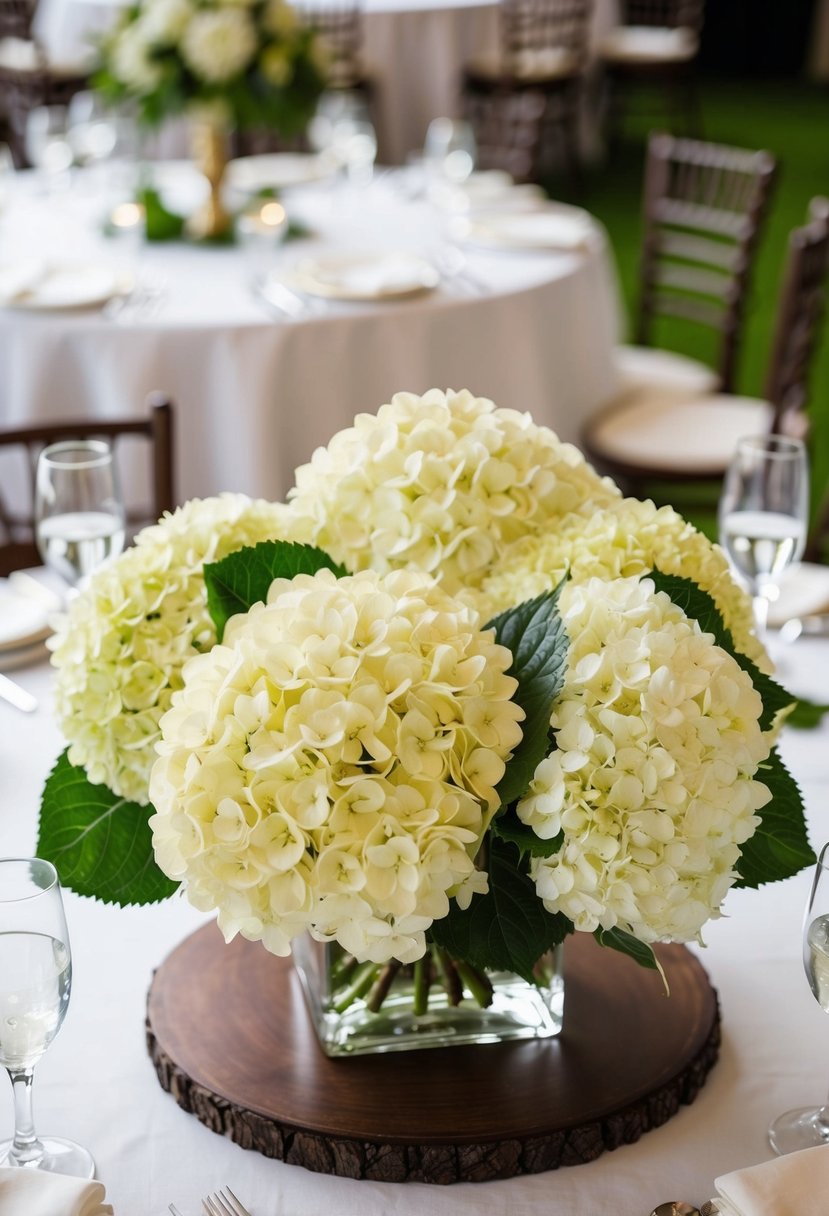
(542, 63)
(24, 56)
(666, 435)
(649, 44)
(646, 367)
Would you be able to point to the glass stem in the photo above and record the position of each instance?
(26, 1149)
(761, 618)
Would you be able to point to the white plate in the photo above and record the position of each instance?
(23, 656)
(560, 227)
(41, 287)
(23, 620)
(276, 171)
(365, 276)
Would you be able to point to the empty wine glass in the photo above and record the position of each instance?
(763, 514)
(91, 128)
(808, 1126)
(35, 981)
(341, 131)
(79, 512)
(47, 141)
(450, 150)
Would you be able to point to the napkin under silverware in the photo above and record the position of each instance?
(786, 1186)
(25, 1192)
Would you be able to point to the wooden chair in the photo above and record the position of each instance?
(656, 44)
(693, 439)
(17, 543)
(528, 99)
(27, 77)
(339, 25)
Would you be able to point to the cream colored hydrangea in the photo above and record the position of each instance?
(122, 644)
(653, 783)
(219, 43)
(440, 483)
(332, 764)
(626, 538)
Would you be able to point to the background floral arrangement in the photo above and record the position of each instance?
(254, 59)
(456, 672)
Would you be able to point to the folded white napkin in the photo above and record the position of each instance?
(534, 229)
(786, 1186)
(20, 279)
(26, 1192)
(804, 589)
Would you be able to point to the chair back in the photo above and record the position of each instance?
(704, 205)
(666, 14)
(339, 26)
(17, 533)
(530, 27)
(16, 18)
(797, 324)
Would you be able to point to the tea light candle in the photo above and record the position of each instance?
(267, 223)
(127, 218)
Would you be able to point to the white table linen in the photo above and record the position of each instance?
(254, 395)
(96, 1084)
(38, 1193)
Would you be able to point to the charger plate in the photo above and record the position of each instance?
(228, 1033)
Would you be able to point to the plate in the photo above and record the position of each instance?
(42, 287)
(365, 276)
(23, 620)
(276, 171)
(23, 656)
(803, 591)
(562, 228)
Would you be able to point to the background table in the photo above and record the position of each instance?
(97, 1084)
(254, 395)
(413, 50)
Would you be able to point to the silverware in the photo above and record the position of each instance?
(224, 1203)
(174, 1210)
(17, 696)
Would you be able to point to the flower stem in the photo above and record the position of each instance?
(477, 982)
(364, 977)
(422, 981)
(451, 979)
(382, 985)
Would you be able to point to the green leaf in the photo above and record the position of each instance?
(244, 577)
(535, 634)
(100, 844)
(508, 929)
(509, 827)
(780, 846)
(699, 605)
(806, 714)
(626, 943)
(160, 224)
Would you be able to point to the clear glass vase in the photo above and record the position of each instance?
(358, 1008)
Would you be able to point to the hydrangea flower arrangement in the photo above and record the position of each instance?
(253, 58)
(458, 670)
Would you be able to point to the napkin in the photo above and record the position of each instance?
(21, 279)
(533, 229)
(803, 590)
(25, 1192)
(787, 1186)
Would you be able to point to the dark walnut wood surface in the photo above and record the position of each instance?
(231, 1040)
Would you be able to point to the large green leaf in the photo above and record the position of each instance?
(244, 577)
(535, 634)
(806, 714)
(508, 929)
(780, 846)
(626, 943)
(509, 827)
(699, 605)
(100, 844)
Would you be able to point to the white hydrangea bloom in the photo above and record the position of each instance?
(440, 483)
(332, 764)
(653, 782)
(122, 644)
(219, 43)
(132, 61)
(164, 21)
(626, 538)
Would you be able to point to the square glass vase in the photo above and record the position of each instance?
(357, 1008)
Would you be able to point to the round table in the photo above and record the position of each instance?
(256, 393)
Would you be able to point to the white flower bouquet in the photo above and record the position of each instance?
(457, 671)
(252, 58)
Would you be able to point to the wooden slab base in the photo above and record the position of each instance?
(230, 1038)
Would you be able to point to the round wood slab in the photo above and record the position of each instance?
(230, 1038)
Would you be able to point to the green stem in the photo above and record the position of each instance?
(341, 968)
(381, 988)
(422, 980)
(364, 977)
(451, 979)
(477, 983)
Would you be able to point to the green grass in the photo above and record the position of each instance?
(791, 120)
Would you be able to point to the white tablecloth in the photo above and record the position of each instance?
(97, 1085)
(255, 395)
(413, 50)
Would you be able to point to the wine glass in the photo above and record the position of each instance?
(450, 150)
(91, 128)
(763, 514)
(79, 512)
(35, 981)
(341, 131)
(808, 1126)
(47, 141)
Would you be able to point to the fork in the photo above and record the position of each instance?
(224, 1203)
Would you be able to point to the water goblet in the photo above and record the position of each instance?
(35, 982)
(79, 512)
(450, 150)
(91, 128)
(763, 514)
(808, 1127)
(47, 142)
